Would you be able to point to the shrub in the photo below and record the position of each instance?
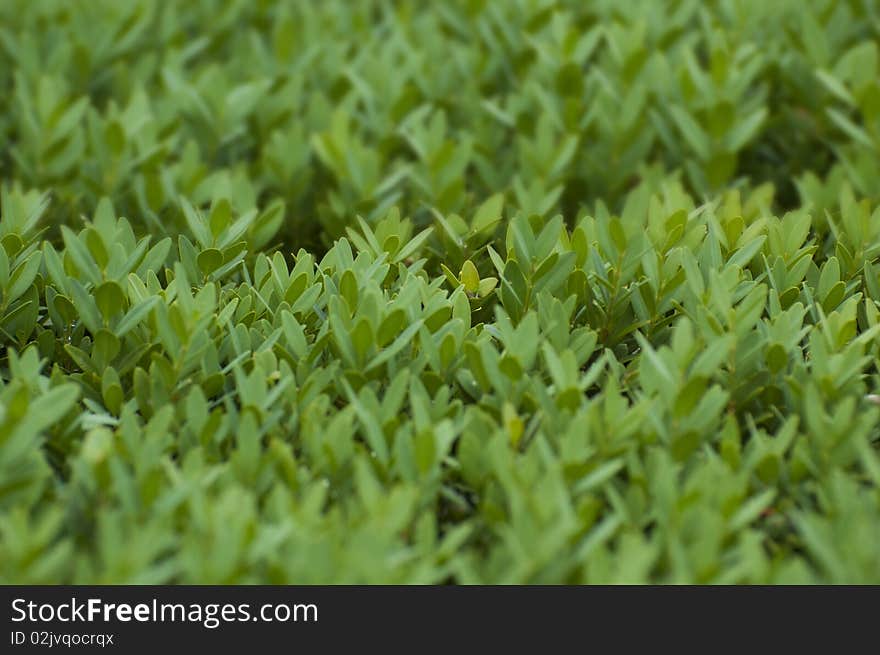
(521, 292)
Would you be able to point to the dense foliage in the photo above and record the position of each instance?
(529, 291)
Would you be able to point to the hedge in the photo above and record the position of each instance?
(533, 291)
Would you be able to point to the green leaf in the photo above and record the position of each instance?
(488, 214)
(751, 509)
(22, 277)
(692, 132)
(135, 316)
(396, 346)
(470, 278)
(51, 407)
(81, 256)
(209, 260)
(198, 227)
(746, 130)
(110, 299)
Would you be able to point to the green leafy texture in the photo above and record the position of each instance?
(597, 302)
